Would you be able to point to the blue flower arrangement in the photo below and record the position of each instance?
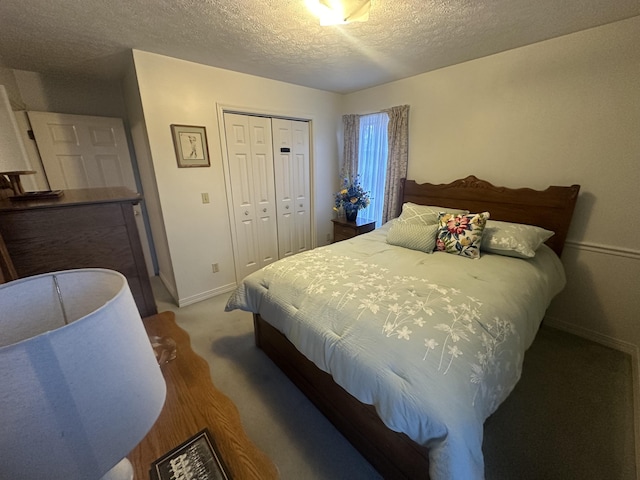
(352, 197)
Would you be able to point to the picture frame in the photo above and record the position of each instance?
(190, 143)
(196, 456)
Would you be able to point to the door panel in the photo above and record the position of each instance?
(89, 141)
(282, 143)
(242, 193)
(252, 191)
(292, 185)
(79, 151)
(300, 133)
(108, 171)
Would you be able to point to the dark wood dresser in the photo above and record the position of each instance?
(84, 228)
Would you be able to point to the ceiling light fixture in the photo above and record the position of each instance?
(339, 12)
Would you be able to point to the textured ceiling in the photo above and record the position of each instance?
(280, 39)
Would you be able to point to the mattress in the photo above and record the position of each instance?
(435, 342)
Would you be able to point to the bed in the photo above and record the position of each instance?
(408, 352)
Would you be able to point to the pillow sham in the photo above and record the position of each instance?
(424, 214)
(413, 236)
(513, 239)
(461, 234)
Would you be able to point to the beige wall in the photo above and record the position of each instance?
(68, 94)
(559, 112)
(178, 92)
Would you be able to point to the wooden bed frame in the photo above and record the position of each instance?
(393, 454)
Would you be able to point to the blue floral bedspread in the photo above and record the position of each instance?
(434, 341)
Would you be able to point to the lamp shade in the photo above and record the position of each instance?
(80, 384)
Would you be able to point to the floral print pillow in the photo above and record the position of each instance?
(461, 234)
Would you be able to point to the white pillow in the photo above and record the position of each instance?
(513, 239)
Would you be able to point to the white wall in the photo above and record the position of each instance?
(558, 112)
(178, 92)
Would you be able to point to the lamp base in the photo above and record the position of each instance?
(122, 471)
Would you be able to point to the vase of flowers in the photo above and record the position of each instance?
(351, 198)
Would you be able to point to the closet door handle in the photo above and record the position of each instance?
(287, 207)
(264, 210)
(246, 212)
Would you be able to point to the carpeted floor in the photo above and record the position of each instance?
(570, 416)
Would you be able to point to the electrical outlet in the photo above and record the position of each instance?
(205, 198)
(215, 268)
(328, 237)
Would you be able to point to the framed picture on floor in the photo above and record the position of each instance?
(191, 146)
(196, 458)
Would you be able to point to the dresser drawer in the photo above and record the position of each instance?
(343, 232)
(343, 229)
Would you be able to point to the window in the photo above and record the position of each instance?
(372, 161)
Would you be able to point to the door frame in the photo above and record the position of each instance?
(286, 115)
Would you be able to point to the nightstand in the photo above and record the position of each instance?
(344, 229)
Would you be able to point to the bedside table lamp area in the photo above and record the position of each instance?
(80, 382)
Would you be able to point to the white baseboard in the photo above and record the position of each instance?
(183, 302)
(622, 346)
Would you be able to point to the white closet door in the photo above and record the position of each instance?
(252, 191)
(291, 165)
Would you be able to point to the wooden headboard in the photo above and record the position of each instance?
(551, 208)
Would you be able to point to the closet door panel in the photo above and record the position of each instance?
(248, 252)
(286, 235)
(301, 184)
(241, 172)
(282, 155)
(264, 188)
(291, 154)
(252, 191)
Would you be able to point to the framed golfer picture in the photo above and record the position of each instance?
(191, 146)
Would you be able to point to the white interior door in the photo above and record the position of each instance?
(80, 151)
(292, 177)
(249, 151)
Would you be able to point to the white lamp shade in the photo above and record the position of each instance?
(13, 156)
(75, 399)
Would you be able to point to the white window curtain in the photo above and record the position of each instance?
(372, 162)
